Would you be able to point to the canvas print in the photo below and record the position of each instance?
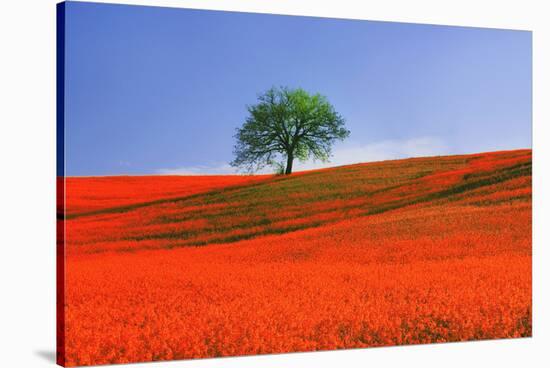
(236, 184)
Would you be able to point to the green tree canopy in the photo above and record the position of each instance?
(287, 124)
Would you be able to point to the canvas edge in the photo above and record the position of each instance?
(60, 184)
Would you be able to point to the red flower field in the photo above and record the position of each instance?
(411, 251)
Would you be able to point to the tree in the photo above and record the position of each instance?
(287, 124)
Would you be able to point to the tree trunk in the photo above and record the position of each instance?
(289, 159)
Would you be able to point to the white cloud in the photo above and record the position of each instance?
(344, 154)
(378, 151)
(217, 168)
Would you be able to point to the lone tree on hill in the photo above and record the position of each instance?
(287, 123)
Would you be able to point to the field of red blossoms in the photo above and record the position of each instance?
(411, 251)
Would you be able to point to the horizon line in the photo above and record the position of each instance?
(295, 172)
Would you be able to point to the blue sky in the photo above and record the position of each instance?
(153, 90)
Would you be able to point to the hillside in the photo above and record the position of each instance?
(420, 250)
(200, 215)
(90, 194)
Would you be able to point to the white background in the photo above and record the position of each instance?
(27, 181)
